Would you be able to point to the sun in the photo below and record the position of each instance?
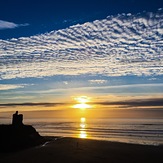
(81, 106)
(82, 102)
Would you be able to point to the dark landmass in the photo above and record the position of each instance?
(14, 138)
(77, 150)
(18, 136)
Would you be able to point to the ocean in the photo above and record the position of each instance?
(136, 131)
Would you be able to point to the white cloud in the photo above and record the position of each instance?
(98, 81)
(119, 45)
(10, 25)
(13, 86)
(10, 86)
(65, 82)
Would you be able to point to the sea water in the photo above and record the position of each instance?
(137, 131)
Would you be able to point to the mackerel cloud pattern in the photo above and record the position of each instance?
(119, 45)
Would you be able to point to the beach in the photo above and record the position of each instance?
(77, 150)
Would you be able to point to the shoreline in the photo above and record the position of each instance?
(105, 140)
(68, 149)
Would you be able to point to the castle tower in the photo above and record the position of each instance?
(17, 119)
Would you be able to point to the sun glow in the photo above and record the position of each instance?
(81, 106)
(82, 100)
(82, 120)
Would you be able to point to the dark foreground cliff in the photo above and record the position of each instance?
(14, 137)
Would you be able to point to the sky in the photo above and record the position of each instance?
(109, 51)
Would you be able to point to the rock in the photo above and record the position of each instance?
(18, 136)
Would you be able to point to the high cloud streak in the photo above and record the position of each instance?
(10, 86)
(119, 45)
(10, 25)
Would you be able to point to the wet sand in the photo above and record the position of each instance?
(75, 150)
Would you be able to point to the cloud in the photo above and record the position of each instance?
(98, 81)
(10, 86)
(13, 86)
(130, 103)
(136, 103)
(10, 25)
(119, 45)
(65, 82)
(30, 104)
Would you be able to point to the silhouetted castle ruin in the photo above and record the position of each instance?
(17, 119)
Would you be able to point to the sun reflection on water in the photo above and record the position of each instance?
(83, 132)
(82, 119)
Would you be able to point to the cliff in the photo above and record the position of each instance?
(18, 136)
(14, 138)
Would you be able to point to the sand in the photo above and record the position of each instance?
(75, 150)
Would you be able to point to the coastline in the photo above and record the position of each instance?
(68, 149)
